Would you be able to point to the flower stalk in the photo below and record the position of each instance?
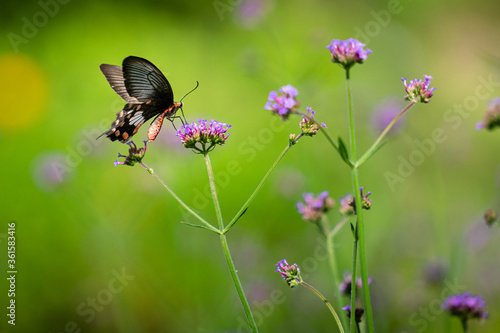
(332, 260)
(237, 284)
(205, 224)
(327, 303)
(359, 234)
(376, 145)
(214, 192)
(259, 187)
(291, 274)
(225, 249)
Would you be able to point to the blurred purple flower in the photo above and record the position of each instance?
(346, 285)
(346, 207)
(465, 306)
(435, 272)
(348, 52)
(135, 155)
(418, 91)
(491, 118)
(250, 13)
(198, 136)
(358, 313)
(291, 274)
(51, 170)
(477, 235)
(315, 207)
(284, 103)
(385, 112)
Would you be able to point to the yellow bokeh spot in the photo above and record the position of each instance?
(24, 89)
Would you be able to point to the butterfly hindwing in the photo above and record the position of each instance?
(129, 120)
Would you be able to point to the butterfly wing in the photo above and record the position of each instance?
(114, 76)
(147, 92)
(145, 82)
(129, 120)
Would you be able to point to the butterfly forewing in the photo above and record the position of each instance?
(114, 76)
(145, 82)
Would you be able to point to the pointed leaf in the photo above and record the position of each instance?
(196, 225)
(343, 152)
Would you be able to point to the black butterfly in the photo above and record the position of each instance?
(147, 93)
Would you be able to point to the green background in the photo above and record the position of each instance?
(76, 233)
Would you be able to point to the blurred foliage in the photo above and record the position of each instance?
(76, 233)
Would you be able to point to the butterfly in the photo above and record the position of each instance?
(148, 94)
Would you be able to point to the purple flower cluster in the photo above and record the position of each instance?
(307, 127)
(465, 306)
(491, 118)
(365, 202)
(315, 207)
(198, 135)
(284, 102)
(135, 154)
(291, 274)
(348, 203)
(418, 90)
(348, 52)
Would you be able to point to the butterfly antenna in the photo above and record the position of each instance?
(197, 84)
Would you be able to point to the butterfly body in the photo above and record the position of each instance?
(148, 94)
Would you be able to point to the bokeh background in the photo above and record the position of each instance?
(81, 222)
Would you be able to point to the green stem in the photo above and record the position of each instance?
(205, 223)
(362, 253)
(237, 284)
(352, 132)
(375, 145)
(334, 267)
(353, 276)
(214, 192)
(338, 227)
(262, 182)
(330, 307)
(464, 324)
(359, 231)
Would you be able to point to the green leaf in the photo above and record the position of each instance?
(343, 152)
(236, 220)
(196, 225)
